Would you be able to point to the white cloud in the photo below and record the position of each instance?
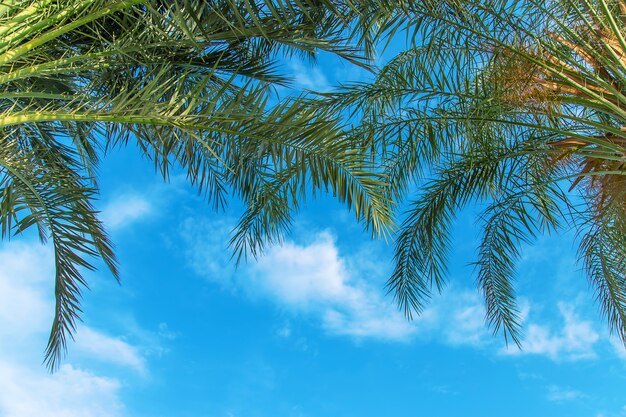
(206, 248)
(124, 210)
(165, 333)
(469, 325)
(563, 394)
(620, 350)
(70, 392)
(26, 280)
(311, 78)
(26, 309)
(314, 279)
(462, 318)
(108, 349)
(574, 341)
(284, 331)
(305, 275)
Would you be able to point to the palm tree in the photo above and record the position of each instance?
(190, 84)
(519, 106)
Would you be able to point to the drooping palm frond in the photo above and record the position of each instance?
(518, 105)
(40, 188)
(188, 82)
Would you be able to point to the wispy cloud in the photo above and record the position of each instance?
(308, 77)
(108, 349)
(575, 340)
(563, 394)
(206, 248)
(620, 350)
(462, 318)
(31, 392)
(313, 278)
(125, 209)
(164, 332)
(26, 310)
(316, 279)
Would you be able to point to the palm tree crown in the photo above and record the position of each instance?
(519, 105)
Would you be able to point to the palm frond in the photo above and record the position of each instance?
(189, 82)
(43, 190)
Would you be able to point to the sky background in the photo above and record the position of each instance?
(305, 331)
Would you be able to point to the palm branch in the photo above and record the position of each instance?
(188, 82)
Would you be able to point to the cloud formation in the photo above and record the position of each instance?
(308, 77)
(32, 392)
(317, 280)
(575, 340)
(26, 282)
(620, 350)
(563, 394)
(206, 248)
(314, 279)
(26, 309)
(107, 349)
(125, 209)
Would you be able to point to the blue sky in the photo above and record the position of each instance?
(305, 331)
